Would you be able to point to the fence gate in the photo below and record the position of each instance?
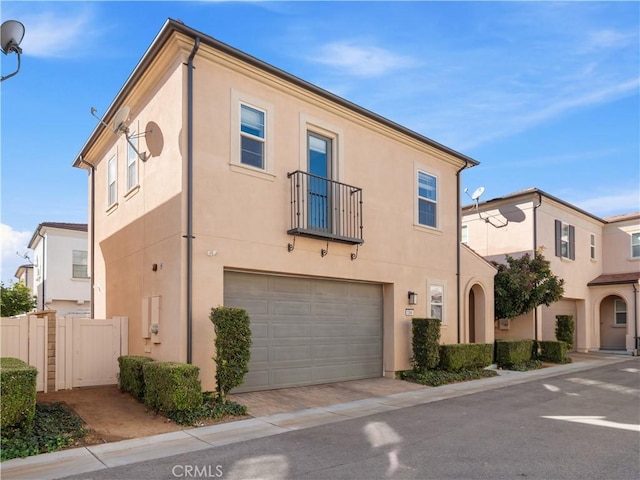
(68, 352)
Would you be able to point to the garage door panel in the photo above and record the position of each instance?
(313, 331)
(290, 331)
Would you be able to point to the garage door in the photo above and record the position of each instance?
(308, 331)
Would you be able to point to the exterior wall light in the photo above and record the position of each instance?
(11, 34)
(413, 298)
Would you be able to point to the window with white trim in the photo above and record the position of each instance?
(635, 245)
(620, 311)
(592, 246)
(79, 267)
(252, 136)
(464, 234)
(427, 200)
(436, 302)
(112, 181)
(132, 162)
(565, 240)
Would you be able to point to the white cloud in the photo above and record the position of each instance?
(59, 34)
(361, 60)
(12, 242)
(611, 203)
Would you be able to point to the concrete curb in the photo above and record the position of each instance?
(97, 457)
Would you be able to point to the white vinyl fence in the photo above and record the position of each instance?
(68, 352)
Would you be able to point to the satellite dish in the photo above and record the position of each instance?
(476, 195)
(120, 119)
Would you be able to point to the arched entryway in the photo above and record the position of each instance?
(613, 323)
(476, 324)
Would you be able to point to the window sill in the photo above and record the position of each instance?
(619, 326)
(425, 229)
(632, 259)
(80, 279)
(252, 171)
(131, 192)
(112, 208)
(566, 260)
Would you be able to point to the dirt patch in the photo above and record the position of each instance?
(109, 414)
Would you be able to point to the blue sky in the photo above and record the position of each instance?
(543, 94)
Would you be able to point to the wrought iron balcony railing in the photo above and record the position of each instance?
(322, 208)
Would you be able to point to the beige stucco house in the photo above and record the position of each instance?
(599, 259)
(239, 184)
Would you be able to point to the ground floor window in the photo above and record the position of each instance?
(620, 307)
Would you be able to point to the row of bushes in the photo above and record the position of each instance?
(428, 354)
(168, 388)
(18, 387)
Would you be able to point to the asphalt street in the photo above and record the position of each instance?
(583, 425)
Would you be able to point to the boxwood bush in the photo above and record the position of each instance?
(564, 330)
(513, 352)
(554, 352)
(457, 357)
(18, 387)
(425, 342)
(131, 375)
(172, 389)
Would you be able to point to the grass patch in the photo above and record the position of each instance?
(435, 378)
(55, 426)
(213, 407)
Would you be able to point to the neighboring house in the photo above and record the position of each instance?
(24, 274)
(329, 224)
(598, 258)
(60, 270)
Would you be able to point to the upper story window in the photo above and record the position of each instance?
(565, 240)
(592, 246)
(635, 245)
(252, 137)
(132, 162)
(427, 200)
(464, 234)
(620, 310)
(80, 264)
(112, 181)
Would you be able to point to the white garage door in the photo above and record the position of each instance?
(308, 331)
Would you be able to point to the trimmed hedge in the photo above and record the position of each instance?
(554, 352)
(233, 347)
(457, 357)
(425, 343)
(172, 389)
(564, 330)
(513, 352)
(18, 386)
(131, 375)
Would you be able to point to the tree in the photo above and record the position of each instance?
(524, 283)
(15, 299)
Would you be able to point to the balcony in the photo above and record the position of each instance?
(322, 208)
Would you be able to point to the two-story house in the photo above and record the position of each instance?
(226, 181)
(60, 276)
(598, 258)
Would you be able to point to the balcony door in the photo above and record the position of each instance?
(319, 201)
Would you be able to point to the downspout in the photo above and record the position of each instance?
(92, 218)
(535, 249)
(190, 69)
(458, 246)
(635, 319)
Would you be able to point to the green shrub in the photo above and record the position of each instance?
(425, 342)
(565, 329)
(513, 352)
(18, 387)
(457, 357)
(436, 378)
(172, 389)
(554, 352)
(233, 347)
(131, 375)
